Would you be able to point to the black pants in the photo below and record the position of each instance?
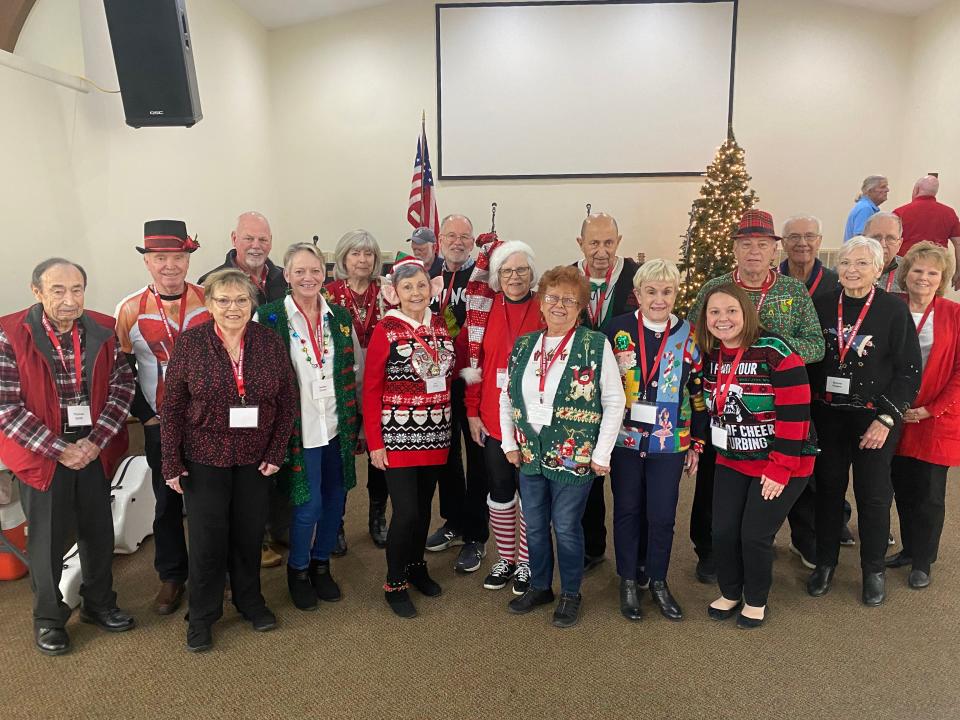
(920, 489)
(463, 501)
(170, 544)
(594, 520)
(376, 484)
(80, 499)
(226, 514)
(744, 525)
(839, 434)
(411, 495)
(802, 519)
(279, 510)
(503, 478)
(701, 512)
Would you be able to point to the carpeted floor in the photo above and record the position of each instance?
(466, 657)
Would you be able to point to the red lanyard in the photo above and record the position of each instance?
(723, 387)
(315, 333)
(369, 302)
(844, 346)
(236, 365)
(506, 315)
(764, 289)
(433, 352)
(544, 365)
(77, 359)
(926, 314)
(163, 314)
(813, 288)
(647, 377)
(596, 317)
(449, 293)
(889, 281)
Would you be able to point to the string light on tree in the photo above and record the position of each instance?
(707, 251)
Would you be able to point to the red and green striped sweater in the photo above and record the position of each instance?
(767, 411)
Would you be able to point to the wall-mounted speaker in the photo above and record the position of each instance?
(154, 55)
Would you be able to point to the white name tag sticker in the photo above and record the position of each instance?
(79, 416)
(502, 378)
(244, 416)
(322, 388)
(539, 414)
(643, 412)
(718, 436)
(436, 384)
(838, 385)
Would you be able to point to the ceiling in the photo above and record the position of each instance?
(281, 13)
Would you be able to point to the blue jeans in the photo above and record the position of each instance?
(314, 525)
(545, 501)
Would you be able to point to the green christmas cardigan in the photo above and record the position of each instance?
(274, 316)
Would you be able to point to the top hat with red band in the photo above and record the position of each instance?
(756, 223)
(166, 236)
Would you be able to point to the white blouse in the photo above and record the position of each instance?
(925, 337)
(612, 399)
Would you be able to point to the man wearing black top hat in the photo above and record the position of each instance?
(149, 321)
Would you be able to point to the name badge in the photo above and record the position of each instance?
(643, 412)
(718, 436)
(540, 414)
(79, 416)
(436, 384)
(501, 378)
(322, 388)
(244, 416)
(838, 385)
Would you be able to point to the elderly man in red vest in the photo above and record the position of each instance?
(65, 391)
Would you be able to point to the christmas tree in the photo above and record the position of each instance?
(707, 250)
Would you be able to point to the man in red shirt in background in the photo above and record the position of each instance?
(926, 219)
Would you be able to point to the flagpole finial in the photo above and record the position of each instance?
(423, 116)
(588, 209)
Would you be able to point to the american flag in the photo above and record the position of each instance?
(422, 211)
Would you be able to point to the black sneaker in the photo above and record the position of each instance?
(471, 555)
(706, 571)
(521, 580)
(262, 620)
(199, 638)
(443, 538)
(592, 561)
(500, 575)
(567, 613)
(846, 537)
(529, 600)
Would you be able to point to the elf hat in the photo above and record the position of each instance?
(479, 301)
(404, 260)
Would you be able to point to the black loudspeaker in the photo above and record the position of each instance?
(154, 56)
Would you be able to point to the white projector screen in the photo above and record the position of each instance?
(583, 89)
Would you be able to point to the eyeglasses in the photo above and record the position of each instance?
(568, 302)
(465, 238)
(520, 272)
(886, 239)
(225, 303)
(797, 237)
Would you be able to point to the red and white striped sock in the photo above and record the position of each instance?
(503, 523)
(524, 557)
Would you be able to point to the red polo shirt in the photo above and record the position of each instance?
(927, 219)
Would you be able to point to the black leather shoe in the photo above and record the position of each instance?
(665, 601)
(898, 560)
(706, 571)
(378, 523)
(592, 561)
(324, 585)
(418, 576)
(529, 600)
(262, 620)
(718, 614)
(112, 620)
(52, 641)
(630, 600)
(818, 584)
(918, 579)
(874, 591)
(301, 590)
(746, 623)
(340, 548)
(567, 613)
(199, 638)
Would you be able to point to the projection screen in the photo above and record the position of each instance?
(583, 89)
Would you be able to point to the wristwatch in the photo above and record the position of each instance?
(886, 420)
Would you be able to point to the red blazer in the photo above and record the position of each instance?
(937, 439)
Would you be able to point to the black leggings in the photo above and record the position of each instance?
(411, 494)
(920, 489)
(503, 479)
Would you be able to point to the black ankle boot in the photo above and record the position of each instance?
(874, 590)
(301, 591)
(323, 583)
(818, 584)
(421, 580)
(340, 547)
(664, 599)
(378, 523)
(398, 598)
(630, 600)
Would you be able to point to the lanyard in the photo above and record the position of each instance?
(237, 365)
(448, 295)
(163, 314)
(77, 360)
(595, 318)
(889, 281)
(544, 365)
(647, 377)
(764, 289)
(315, 333)
(506, 315)
(816, 282)
(844, 346)
(369, 302)
(926, 314)
(433, 352)
(723, 387)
